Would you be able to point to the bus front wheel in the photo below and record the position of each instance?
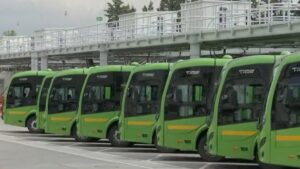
(203, 151)
(31, 125)
(114, 139)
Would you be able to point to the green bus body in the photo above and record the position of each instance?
(62, 101)
(186, 101)
(21, 98)
(279, 138)
(41, 102)
(100, 100)
(238, 105)
(140, 105)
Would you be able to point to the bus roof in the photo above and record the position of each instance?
(200, 62)
(250, 60)
(71, 72)
(32, 73)
(110, 68)
(152, 66)
(290, 58)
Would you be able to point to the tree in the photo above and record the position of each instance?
(117, 8)
(10, 33)
(149, 8)
(170, 5)
(145, 9)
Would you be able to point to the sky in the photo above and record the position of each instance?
(26, 16)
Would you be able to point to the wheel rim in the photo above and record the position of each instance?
(33, 125)
(115, 136)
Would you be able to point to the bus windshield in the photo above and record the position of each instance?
(64, 94)
(286, 103)
(103, 92)
(243, 94)
(44, 93)
(23, 91)
(144, 92)
(190, 92)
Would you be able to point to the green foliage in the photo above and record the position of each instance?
(170, 5)
(10, 33)
(149, 8)
(117, 8)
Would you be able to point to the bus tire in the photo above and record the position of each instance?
(162, 149)
(31, 125)
(113, 138)
(80, 138)
(202, 150)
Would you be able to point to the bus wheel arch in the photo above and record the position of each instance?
(201, 147)
(113, 138)
(30, 123)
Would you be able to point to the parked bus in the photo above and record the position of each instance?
(62, 102)
(141, 101)
(20, 103)
(100, 102)
(279, 138)
(41, 103)
(186, 103)
(238, 105)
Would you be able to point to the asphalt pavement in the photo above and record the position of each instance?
(22, 150)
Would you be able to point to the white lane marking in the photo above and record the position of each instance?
(206, 165)
(11, 139)
(106, 149)
(157, 156)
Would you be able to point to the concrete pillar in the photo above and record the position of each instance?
(44, 63)
(34, 62)
(103, 58)
(195, 50)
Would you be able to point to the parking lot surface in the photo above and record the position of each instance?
(22, 150)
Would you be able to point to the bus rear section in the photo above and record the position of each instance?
(62, 102)
(21, 100)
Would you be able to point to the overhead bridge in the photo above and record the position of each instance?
(197, 26)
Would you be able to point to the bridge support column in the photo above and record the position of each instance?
(44, 62)
(34, 62)
(195, 50)
(103, 58)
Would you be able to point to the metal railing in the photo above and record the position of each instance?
(190, 19)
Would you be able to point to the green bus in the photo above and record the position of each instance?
(21, 99)
(141, 101)
(100, 102)
(41, 102)
(238, 105)
(62, 102)
(279, 137)
(186, 103)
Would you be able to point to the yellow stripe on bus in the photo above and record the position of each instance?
(140, 123)
(60, 118)
(287, 138)
(238, 132)
(182, 127)
(93, 120)
(17, 113)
